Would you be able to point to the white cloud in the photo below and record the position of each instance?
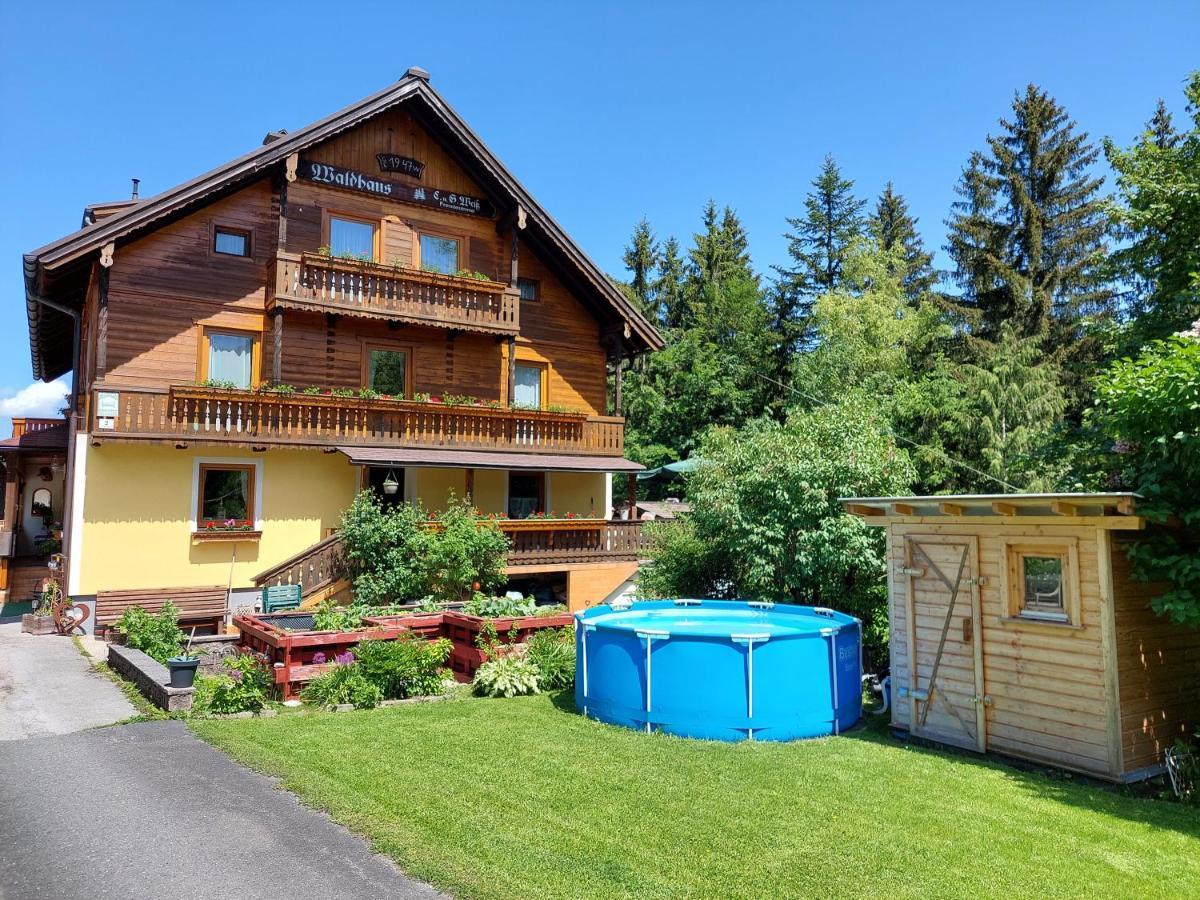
(44, 399)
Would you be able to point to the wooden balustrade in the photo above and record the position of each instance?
(250, 417)
(534, 542)
(324, 284)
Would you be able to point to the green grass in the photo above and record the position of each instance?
(506, 798)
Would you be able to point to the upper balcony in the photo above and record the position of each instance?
(249, 418)
(316, 283)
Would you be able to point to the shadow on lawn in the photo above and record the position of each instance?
(1133, 802)
(1121, 801)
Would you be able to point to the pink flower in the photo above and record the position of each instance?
(318, 658)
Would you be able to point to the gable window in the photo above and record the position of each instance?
(226, 494)
(529, 391)
(526, 494)
(229, 357)
(387, 371)
(352, 238)
(1042, 580)
(439, 254)
(231, 241)
(530, 288)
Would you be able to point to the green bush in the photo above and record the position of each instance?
(510, 675)
(552, 652)
(399, 553)
(328, 616)
(501, 607)
(243, 687)
(159, 637)
(342, 684)
(407, 667)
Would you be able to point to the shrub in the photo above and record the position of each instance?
(552, 651)
(243, 687)
(159, 637)
(328, 616)
(464, 550)
(510, 675)
(342, 684)
(407, 667)
(490, 607)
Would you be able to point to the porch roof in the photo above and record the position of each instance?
(483, 459)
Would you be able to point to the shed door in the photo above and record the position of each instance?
(945, 656)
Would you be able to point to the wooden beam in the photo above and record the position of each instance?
(904, 509)
(631, 494)
(1063, 508)
(470, 484)
(951, 509)
(102, 326)
(1004, 509)
(512, 264)
(618, 357)
(859, 509)
(512, 369)
(277, 347)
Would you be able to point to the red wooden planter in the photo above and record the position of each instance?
(464, 630)
(291, 652)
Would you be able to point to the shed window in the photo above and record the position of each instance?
(226, 495)
(231, 241)
(1042, 576)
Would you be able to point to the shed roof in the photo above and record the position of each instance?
(998, 506)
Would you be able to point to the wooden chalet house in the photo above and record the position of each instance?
(372, 300)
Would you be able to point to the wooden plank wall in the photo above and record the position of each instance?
(1046, 682)
(162, 285)
(1158, 670)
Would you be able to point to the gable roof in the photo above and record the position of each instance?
(57, 271)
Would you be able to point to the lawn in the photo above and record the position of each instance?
(507, 798)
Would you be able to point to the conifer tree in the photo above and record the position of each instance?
(669, 285)
(893, 227)
(1028, 234)
(1161, 128)
(641, 257)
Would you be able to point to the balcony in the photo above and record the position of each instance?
(316, 283)
(249, 418)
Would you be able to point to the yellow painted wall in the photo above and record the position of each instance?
(137, 507)
(577, 492)
(434, 486)
(490, 490)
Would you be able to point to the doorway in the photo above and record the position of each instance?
(379, 478)
(946, 692)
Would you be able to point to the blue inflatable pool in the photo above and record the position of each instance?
(720, 669)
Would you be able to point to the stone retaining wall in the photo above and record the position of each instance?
(152, 678)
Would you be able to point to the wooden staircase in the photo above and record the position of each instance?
(317, 569)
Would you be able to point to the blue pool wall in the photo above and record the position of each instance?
(699, 683)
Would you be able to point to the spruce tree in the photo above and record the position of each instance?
(1161, 128)
(894, 228)
(641, 257)
(668, 285)
(1028, 234)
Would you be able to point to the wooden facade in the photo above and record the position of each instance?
(1101, 685)
(256, 252)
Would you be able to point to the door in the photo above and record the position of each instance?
(945, 653)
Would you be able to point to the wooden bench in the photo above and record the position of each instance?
(197, 605)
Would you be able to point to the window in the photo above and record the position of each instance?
(230, 358)
(387, 371)
(530, 288)
(526, 493)
(1042, 580)
(529, 392)
(439, 254)
(231, 241)
(226, 493)
(351, 238)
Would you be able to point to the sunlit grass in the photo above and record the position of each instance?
(524, 798)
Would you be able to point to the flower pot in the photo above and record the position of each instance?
(183, 670)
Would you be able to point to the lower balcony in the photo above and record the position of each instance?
(249, 418)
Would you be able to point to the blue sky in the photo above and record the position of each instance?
(606, 112)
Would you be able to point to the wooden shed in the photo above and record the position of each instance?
(1016, 627)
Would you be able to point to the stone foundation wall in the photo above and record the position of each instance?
(152, 678)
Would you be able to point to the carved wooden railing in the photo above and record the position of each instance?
(324, 284)
(251, 417)
(313, 568)
(534, 542)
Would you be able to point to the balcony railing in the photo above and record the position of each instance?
(323, 284)
(555, 542)
(249, 417)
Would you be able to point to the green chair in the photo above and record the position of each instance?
(280, 597)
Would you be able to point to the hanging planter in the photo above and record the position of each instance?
(390, 484)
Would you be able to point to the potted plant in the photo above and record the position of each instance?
(41, 620)
(183, 667)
